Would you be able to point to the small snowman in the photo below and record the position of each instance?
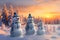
(40, 30)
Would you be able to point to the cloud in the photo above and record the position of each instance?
(34, 6)
(26, 2)
(18, 2)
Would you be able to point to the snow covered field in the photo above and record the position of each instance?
(5, 35)
(31, 37)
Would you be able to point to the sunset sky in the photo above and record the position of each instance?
(40, 8)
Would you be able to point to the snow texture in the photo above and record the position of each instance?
(5, 35)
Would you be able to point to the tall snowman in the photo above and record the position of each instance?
(40, 30)
(15, 26)
(30, 26)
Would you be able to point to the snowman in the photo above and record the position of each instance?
(40, 30)
(30, 26)
(15, 26)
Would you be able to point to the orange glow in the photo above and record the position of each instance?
(2, 32)
(48, 15)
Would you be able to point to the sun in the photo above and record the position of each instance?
(47, 15)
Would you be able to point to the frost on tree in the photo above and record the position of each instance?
(40, 28)
(0, 20)
(9, 20)
(10, 14)
(30, 26)
(15, 26)
(5, 15)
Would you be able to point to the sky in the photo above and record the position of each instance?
(35, 7)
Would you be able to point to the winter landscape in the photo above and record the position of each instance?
(30, 20)
(30, 32)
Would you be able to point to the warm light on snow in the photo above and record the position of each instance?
(2, 32)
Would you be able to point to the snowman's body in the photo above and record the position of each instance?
(30, 26)
(15, 27)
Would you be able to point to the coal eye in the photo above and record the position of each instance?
(18, 18)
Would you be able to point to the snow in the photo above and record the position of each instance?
(29, 37)
(5, 35)
(2, 32)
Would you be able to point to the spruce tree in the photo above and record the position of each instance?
(5, 15)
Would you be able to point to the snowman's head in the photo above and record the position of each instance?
(15, 14)
(16, 17)
(30, 19)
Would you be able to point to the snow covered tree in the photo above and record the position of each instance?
(5, 15)
(11, 11)
(0, 20)
(9, 20)
(10, 14)
(15, 26)
(30, 26)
